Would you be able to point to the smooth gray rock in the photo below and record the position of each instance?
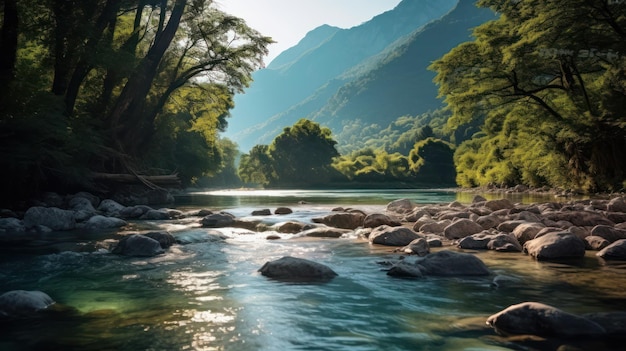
(156, 215)
(102, 222)
(461, 228)
(561, 245)
(617, 204)
(477, 241)
(615, 251)
(218, 220)
(435, 227)
(417, 247)
(392, 236)
(504, 243)
(377, 219)
(527, 231)
(138, 246)
(596, 243)
(82, 207)
(23, 303)
(12, 225)
(400, 206)
(405, 270)
(610, 233)
(199, 236)
(134, 211)
(110, 208)
(499, 204)
(165, 239)
(297, 270)
(451, 263)
(535, 318)
(263, 212)
(343, 220)
(324, 232)
(51, 217)
(283, 211)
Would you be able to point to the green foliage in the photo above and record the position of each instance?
(547, 96)
(431, 160)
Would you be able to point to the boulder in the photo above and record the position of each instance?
(504, 243)
(414, 215)
(12, 225)
(343, 220)
(93, 199)
(510, 225)
(290, 227)
(283, 211)
(82, 207)
(451, 263)
(475, 241)
(156, 215)
(102, 222)
(400, 206)
(489, 221)
(417, 247)
(527, 231)
(434, 227)
(555, 245)
(610, 233)
(199, 236)
(165, 239)
(596, 243)
(23, 304)
(404, 269)
(461, 228)
(134, 211)
(615, 251)
(218, 220)
(110, 208)
(297, 269)
(614, 323)
(138, 246)
(392, 236)
(579, 218)
(533, 318)
(324, 232)
(263, 212)
(499, 204)
(617, 204)
(377, 219)
(51, 217)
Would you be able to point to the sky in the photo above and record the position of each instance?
(288, 21)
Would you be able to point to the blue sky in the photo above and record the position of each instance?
(287, 21)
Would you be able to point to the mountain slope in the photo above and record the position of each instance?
(325, 54)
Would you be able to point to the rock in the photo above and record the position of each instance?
(556, 245)
(478, 199)
(475, 241)
(93, 199)
(343, 220)
(509, 226)
(165, 239)
(499, 204)
(579, 218)
(110, 208)
(414, 215)
(12, 225)
(504, 281)
(435, 227)
(400, 206)
(489, 221)
(418, 247)
(82, 207)
(609, 233)
(283, 211)
(297, 270)
(23, 304)
(542, 320)
(50, 199)
(218, 220)
(452, 215)
(392, 236)
(461, 229)
(617, 204)
(450, 263)
(527, 231)
(138, 246)
(51, 217)
(614, 323)
(290, 227)
(615, 251)
(102, 222)
(596, 243)
(324, 232)
(263, 212)
(504, 243)
(156, 215)
(134, 211)
(434, 240)
(377, 219)
(249, 224)
(405, 270)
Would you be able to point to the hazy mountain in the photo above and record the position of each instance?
(376, 70)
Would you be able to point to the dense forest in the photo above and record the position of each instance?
(90, 89)
(111, 86)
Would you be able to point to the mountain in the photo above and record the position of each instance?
(374, 71)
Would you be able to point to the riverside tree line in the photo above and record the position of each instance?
(537, 98)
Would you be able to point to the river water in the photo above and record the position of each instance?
(208, 295)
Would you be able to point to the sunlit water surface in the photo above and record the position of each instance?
(209, 295)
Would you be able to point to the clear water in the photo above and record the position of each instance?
(209, 296)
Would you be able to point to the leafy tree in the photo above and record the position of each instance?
(302, 154)
(256, 167)
(431, 160)
(525, 80)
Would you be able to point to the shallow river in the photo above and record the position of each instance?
(209, 295)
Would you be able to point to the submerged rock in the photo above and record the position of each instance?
(553, 246)
(392, 236)
(51, 217)
(451, 263)
(297, 269)
(23, 304)
(138, 246)
(542, 320)
(615, 251)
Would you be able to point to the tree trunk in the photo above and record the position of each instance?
(8, 42)
(126, 118)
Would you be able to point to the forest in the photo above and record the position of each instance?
(106, 87)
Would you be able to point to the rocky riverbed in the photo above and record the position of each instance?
(436, 240)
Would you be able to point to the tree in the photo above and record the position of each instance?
(555, 81)
(431, 160)
(256, 167)
(302, 154)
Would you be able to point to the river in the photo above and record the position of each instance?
(209, 296)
